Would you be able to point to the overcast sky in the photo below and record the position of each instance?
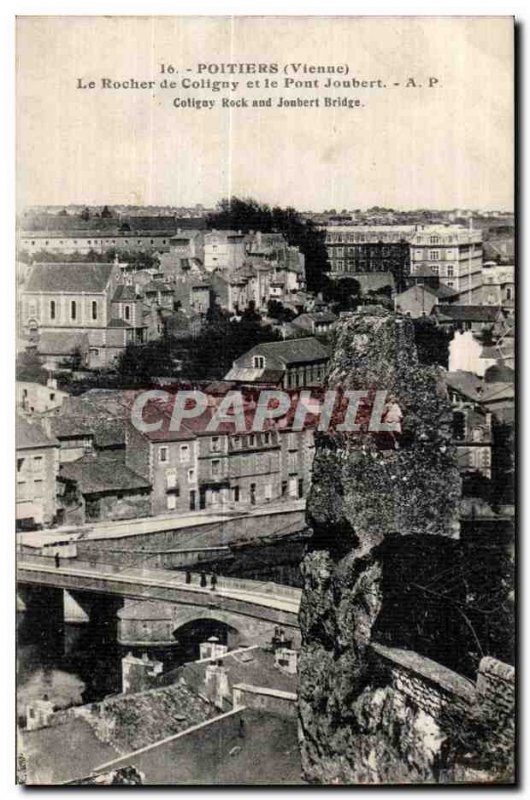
(446, 147)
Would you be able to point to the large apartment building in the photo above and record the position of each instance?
(193, 469)
(452, 253)
(362, 249)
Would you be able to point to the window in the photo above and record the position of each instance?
(191, 476)
(252, 440)
(94, 309)
(434, 255)
(73, 309)
(450, 270)
(459, 426)
(268, 491)
(477, 435)
(127, 312)
(215, 444)
(292, 462)
(258, 362)
(171, 478)
(163, 454)
(20, 464)
(38, 463)
(216, 468)
(236, 442)
(171, 502)
(184, 453)
(236, 494)
(509, 293)
(52, 309)
(434, 239)
(37, 488)
(267, 438)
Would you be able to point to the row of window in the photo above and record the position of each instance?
(339, 252)
(33, 464)
(35, 243)
(30, 490)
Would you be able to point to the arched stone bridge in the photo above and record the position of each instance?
(252, 608)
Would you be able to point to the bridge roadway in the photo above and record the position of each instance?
(260, 600)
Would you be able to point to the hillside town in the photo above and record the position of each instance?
(116, 301)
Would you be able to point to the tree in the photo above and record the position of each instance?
(432, 341)
(106, 213)
(29, 368)
(85, 214)
(137, 365)
(344, 294)
(249, 215)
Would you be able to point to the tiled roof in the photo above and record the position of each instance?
(124, 293)
(467, 383)
(102, 472)
(30, 434)
(91, 278)
(289, 351)
(254, 666)
(117, 322)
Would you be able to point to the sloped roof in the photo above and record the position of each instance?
(102, 472)
(467, 383)
(30, 434)
(288, 351)
(124, 293)
(75, 277)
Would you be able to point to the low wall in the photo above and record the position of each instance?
(430, 686)
(203, 533)
(264, 699)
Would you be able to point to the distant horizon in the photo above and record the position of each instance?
(324, 210)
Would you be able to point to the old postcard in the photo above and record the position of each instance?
(265, 447)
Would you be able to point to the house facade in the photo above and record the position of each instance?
(37, 465)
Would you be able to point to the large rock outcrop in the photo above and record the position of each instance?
(379, 516)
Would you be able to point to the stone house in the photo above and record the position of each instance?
(37, 464)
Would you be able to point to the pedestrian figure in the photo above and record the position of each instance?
(57, 560)
(203, 581)
(188, 576)
(241, 732)
(213, 581)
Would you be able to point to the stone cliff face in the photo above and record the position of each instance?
(368, 498)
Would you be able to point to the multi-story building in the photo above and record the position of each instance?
(70, 234)
(473, 438)
(224, 250)
(194, 469)
(37, 457)
(82, 300)
(34, 398)
(498, 285)
(361, 249)
(454, 254)
(290, 364)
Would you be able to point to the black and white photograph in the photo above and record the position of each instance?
(265, 401)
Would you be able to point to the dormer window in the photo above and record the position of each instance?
(258, 362)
